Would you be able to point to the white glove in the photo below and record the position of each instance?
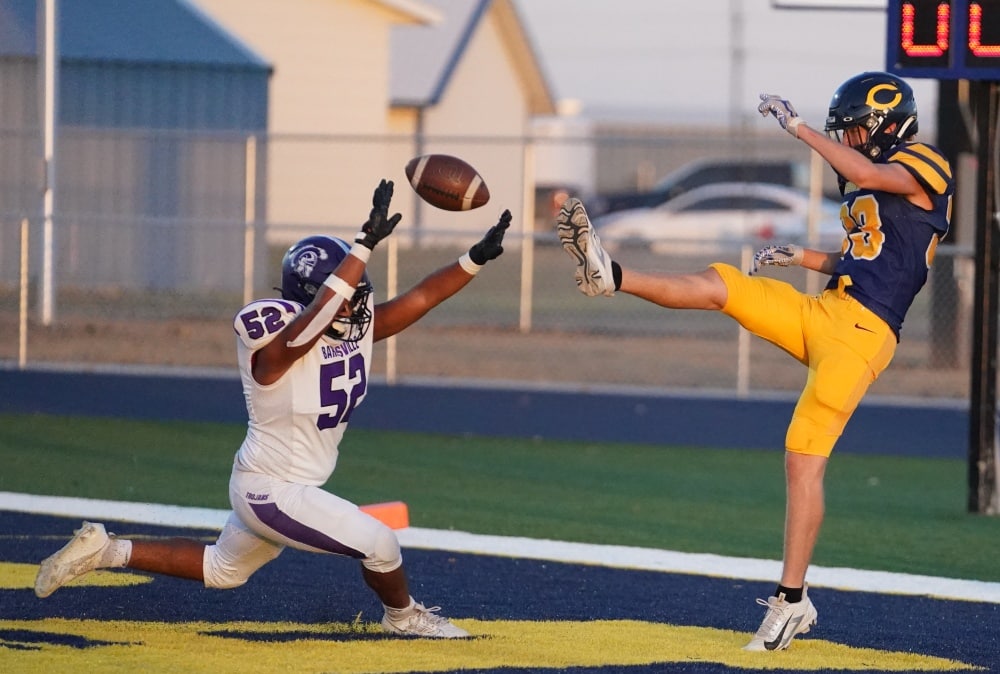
(782, 111)
(778, 256)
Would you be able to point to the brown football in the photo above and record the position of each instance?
(447, 182)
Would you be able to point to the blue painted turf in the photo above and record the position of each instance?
(487, 587)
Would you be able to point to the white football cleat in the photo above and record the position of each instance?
(579, 239)
(782, 622)
(423, 622)
(81, 555)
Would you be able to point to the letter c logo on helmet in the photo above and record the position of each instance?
(878, 92)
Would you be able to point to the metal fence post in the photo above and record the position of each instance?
(22, 337)
(743, 340)
(527, 237)
(249, 219)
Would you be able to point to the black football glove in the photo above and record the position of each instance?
(379, 224)
(491, 247)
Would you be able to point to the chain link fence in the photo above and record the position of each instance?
(159, 239)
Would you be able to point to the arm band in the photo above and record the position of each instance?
(339, 286)
(318, 324)
(468, 265)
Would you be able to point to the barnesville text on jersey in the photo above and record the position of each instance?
(339, 350)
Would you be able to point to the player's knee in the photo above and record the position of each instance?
(225, 574)
(806, 436)
(386, 555)
(221, 574)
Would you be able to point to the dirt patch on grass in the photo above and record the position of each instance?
(540, 357)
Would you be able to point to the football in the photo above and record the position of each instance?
(447, 182)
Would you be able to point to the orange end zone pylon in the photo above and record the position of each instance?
(394, 514)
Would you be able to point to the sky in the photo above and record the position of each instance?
(705, 61)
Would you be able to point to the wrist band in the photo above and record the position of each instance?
(339, 286)
(468, 265)
(361, 252)
(361, 236)
(793, 126)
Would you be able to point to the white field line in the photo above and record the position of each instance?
(616, 556)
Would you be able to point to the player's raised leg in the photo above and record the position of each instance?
(595, 271)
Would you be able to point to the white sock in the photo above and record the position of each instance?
(116, 554)
(396, 614)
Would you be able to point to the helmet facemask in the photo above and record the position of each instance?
(880, 137)
(353, 326)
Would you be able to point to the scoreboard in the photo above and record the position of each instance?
(944, 39)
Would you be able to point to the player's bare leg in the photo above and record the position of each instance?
(698, 290)
(784, 620)
(803, 514)
(392, 587)
(179, 557)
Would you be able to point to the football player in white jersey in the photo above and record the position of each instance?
(304, 361)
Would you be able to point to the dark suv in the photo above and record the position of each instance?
(780, 171)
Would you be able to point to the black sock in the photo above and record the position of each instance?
(616, 274)
(793, 595)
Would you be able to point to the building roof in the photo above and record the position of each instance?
(424, 58)
(414, 10)
(138, 31)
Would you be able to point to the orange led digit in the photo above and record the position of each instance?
(944, 39)
(976, 22)
(940, 44)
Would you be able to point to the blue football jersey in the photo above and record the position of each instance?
(890, 242)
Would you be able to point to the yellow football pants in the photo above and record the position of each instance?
(844, 345)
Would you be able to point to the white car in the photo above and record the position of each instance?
(724, 215)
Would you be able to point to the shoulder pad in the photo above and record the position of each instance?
(257, 323)
(926, 164)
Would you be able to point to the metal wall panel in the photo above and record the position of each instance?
(161, 96)
(151, 169)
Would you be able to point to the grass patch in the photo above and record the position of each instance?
(883, 513)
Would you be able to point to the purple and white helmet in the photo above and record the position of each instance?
(304, 268)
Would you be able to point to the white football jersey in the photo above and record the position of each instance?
(295, 424)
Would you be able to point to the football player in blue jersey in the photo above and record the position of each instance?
(897, 196)
(304, 360)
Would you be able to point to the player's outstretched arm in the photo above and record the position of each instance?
(845, 160)
(276, 357)
(403, 311)
(853, 166)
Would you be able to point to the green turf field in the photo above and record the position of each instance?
(892, 514)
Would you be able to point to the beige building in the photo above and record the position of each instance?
(358, 87)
